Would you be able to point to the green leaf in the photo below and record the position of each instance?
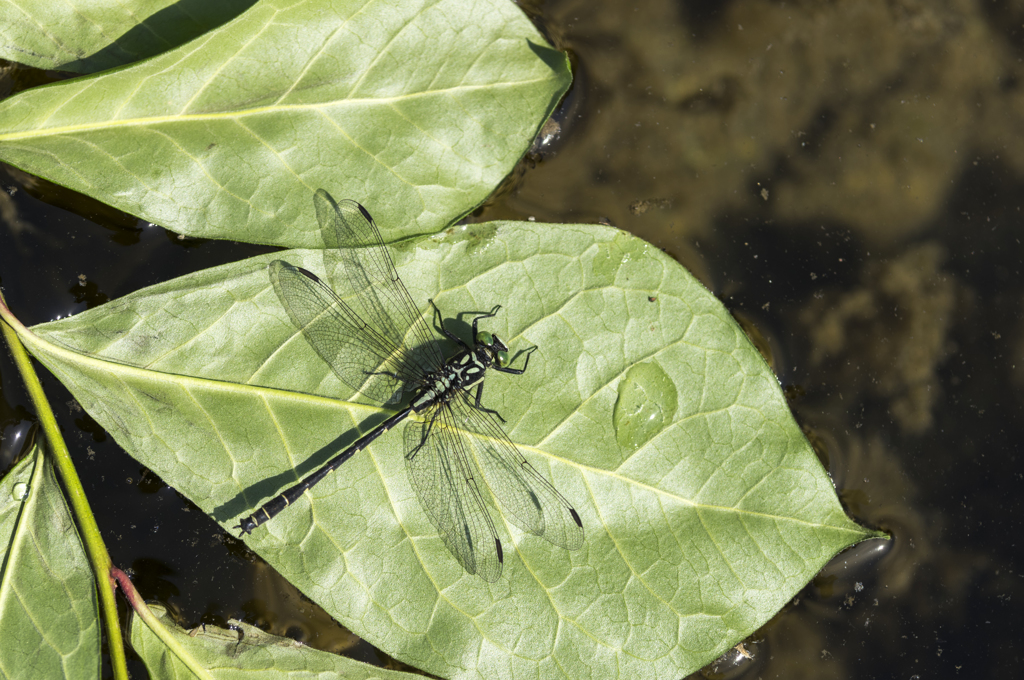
(49, 616)
(704, 506)
(428, 103)
(85, 36)
(242, 648)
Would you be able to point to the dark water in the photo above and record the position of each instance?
(847, 177)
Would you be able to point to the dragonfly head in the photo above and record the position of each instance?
(494, 346)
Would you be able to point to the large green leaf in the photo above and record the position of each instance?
(85, 36)
(704, 506)
(243, 649)
(427, 102)
(49, 616)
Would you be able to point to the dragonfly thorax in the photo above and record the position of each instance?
(462, 371)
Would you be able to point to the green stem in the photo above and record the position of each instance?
(97, 551)
(152, 621)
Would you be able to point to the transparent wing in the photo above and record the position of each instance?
(361, 356)
(444, 480)
(378, 296)
(526, 497)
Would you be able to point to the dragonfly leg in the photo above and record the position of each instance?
(423, 439)
(517, 371)
(439, 324)
(493, 312)
(480, 407)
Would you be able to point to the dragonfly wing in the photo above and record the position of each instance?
(527, 498)
(378, 295)
(359, 356)
(446, 485)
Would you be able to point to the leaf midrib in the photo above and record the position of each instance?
(291, 395)
(273, 108)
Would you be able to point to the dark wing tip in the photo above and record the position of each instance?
(576, 517)
(309, 274)
(501, 555)
(363, 210)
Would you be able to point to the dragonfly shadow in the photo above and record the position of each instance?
(272, 485)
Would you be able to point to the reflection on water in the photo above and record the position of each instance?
(848, 174)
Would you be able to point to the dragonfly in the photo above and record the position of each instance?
(458, 457)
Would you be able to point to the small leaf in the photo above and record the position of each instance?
(702, 518)
(243, 648)
(85, 36)
(428, 103)
(49, 616)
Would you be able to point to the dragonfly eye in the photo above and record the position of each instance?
(501, 358)
(484, 338)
